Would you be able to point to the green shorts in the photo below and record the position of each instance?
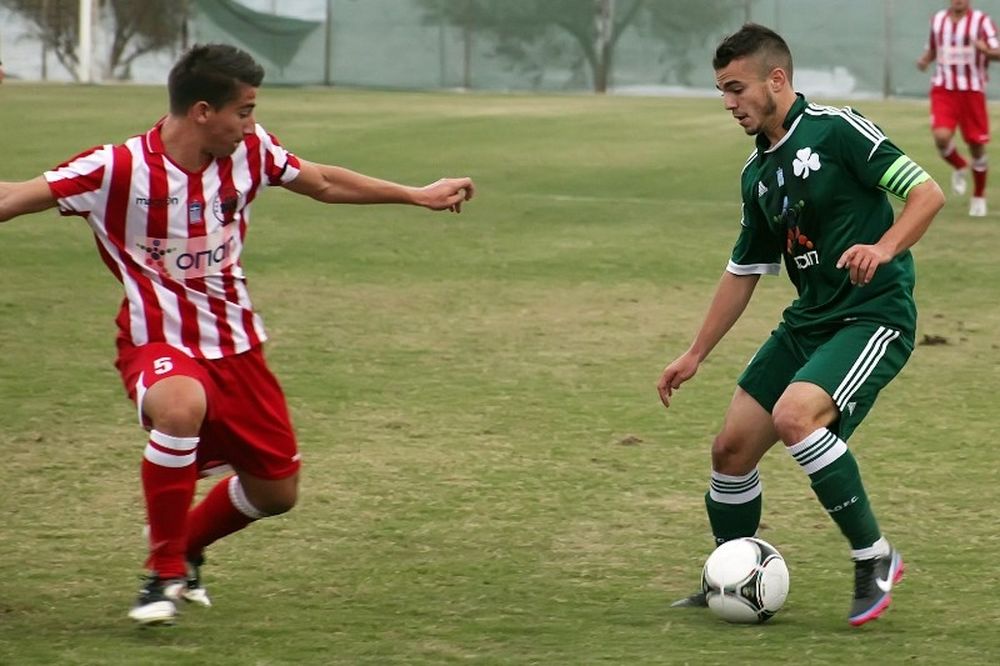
(852, 364)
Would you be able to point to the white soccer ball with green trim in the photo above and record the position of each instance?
(745, 580)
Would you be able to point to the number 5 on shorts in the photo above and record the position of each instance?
(163, 365)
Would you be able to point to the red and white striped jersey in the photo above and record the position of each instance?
(173, 238)
(959, 65)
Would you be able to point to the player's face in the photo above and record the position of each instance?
(747, 95)
(959, 6)
(227, 126)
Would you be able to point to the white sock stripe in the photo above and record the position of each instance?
(727, 489)
(173, 443)
(736, 479)
(736, 498)
(726, 483)
(877, 549)
(158, 457)
(980, 164)
(811, 438)
(865, 364)
(815, 448)
(818, 450)
(239, 499)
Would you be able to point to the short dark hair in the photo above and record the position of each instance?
(755, 40)
(211, 73)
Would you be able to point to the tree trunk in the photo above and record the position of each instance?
(605, 18)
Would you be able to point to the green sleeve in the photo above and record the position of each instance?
(758, 249)
(874, 159)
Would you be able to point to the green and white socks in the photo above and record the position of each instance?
(836, 480)
(734, 502)
(734, 505)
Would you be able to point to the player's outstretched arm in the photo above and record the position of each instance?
(730, 300)
(333, 184)
(29, 196)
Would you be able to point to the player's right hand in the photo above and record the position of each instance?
(675, 374)
(447, 194)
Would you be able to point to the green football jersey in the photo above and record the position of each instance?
(819, 190)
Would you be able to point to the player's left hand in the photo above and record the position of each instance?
(862, 261)
(446, 194)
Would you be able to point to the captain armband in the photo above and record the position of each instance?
(900, 178)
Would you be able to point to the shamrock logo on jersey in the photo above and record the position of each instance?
(805, 162)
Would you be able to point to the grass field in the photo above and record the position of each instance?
(489, 476)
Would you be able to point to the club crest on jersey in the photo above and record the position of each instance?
(226, 203)
(196, 212)
(805, 162)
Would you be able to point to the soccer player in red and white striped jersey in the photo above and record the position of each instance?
(962, 41)
(169, 210)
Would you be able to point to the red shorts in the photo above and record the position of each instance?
(247, 424)
(961, 108)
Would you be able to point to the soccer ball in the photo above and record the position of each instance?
(745, 580)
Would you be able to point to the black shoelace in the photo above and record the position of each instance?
(864, 577)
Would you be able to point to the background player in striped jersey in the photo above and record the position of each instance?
(962, 41)
(169, 210)
(814, 196)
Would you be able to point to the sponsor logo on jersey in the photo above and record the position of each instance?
(185, 258)
(801, 248)
(158, 202)
(805, 162)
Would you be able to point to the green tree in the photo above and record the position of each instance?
(134, 29)
(582, 34)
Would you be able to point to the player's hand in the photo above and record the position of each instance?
(446, 194)
(862, 261)
(676, 374)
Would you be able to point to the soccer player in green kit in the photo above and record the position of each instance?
(815, 198)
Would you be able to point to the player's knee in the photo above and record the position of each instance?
(792, 424)
(279, 503)
(276, 499)
(729, 455)
(182, 418)
(176, 406)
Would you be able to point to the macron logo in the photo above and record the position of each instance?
(761, 189)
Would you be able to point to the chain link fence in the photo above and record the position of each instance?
(848, 48)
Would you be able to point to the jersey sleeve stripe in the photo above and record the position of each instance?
(902, 176)
(861, 120)
(753, 269)
(867, 129)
